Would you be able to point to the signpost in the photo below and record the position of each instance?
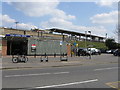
(61, 43)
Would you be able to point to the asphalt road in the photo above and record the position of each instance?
(88, 76)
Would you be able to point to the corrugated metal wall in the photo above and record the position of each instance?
(48, 47)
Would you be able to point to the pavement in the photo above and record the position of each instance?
(6, 62)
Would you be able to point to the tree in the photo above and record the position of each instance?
(111, 44)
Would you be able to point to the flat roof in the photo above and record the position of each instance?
(72, 32)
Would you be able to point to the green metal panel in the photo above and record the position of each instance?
(48, 47)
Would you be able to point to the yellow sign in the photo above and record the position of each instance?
(76, 45)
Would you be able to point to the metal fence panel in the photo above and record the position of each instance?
(48, 47)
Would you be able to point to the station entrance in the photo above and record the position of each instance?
(17, 45)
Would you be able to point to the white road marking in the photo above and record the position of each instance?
(60, 72)
(105, 68)
(27, 75)
(38, 74)
(67, 84)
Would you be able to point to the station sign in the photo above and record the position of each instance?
(17, 35)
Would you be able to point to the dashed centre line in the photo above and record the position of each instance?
(38, 74)
(61, 73)
(106, 68)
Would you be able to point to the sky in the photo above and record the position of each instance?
(98, 17)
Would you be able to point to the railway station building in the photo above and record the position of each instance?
(15, 40)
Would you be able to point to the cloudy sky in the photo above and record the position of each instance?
(98, 17)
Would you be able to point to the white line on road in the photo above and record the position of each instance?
(38, 74)
(67, 84)
(105, 68)
(60, 72)
(27, 75)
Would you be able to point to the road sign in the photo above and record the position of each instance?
(61, 43)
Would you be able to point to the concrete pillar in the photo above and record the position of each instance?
(93, 38)
(99, 39)
(63, 38)
(79, 37)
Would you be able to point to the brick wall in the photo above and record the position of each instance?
(69, 50)
(4, 47)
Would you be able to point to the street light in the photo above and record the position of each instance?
(91, 44)
(61, 43)
(16, 24)
(106, 36)
(85, 39)
(90, 35)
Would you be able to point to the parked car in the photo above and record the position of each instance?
(102, 50)
(83, 52)
(97, 52)
(94, 51)
(110, 51)
(116, 52)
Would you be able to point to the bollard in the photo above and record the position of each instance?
(46, 58)
(41, 60)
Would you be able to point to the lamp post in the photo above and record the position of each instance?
(90, 45)
(90, 35)
(85, 39)
(106, 36)
(16, 24)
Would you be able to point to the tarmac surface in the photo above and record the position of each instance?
(6, 62)
(78, 72)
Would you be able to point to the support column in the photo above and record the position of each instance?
(79, 37)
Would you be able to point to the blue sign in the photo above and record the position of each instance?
(17, 35)
(74, 43)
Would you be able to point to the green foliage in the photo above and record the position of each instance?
(111, 44)
(118, 45)
(99, 45)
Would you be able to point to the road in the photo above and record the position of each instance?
(85, 76)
